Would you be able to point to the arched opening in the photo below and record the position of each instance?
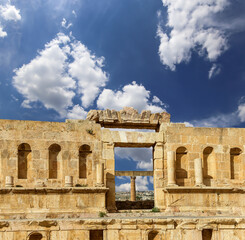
(181, 165)
(235, 163)
(209, 165)
(96, 235)
(36, 236)
(154, 235)
(54, 151)
(84, 150)
(207, 234)
(24, 157)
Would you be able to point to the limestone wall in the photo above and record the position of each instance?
(38, 137)
(126, 229)
(221, 151)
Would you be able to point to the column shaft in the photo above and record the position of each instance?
(198, 172)
(133, 191)
(171, 168)
(100, 174)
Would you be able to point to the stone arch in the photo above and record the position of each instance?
(235, 163)
(84, 150)
(24, 158)
(35, 236)
(154, 235)
(209, 165)
(181, 165)
(54, 151)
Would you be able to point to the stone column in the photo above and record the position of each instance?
(198, 172)
(100, 175)
(108, 159)
(133, 191)
(9, 181)
(68, 181)
(171, 168)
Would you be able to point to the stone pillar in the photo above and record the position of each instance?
(171, 168)
(9, 181)
(133, 191)
(100, 174)
(158, 173)
(68, 181)
(108, 159)
(198, 172)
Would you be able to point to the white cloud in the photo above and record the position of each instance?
(135, 154)
(132, 95)
(124, 187)
(219, 120)
(87, 69)
(188, 124)
(8, 13)
(53, 79)
(64, 24)
(214, 71)
(192, 27)
(44, 79)
(142, 184)
(222, 120)
(145, 165)
(2, 32)
(143, 156)
(77, 112)
(241, 112)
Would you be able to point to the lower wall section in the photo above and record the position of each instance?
(50, 202)
(219, 200)
(125, 229)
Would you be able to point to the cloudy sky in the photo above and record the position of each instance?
(61, 58)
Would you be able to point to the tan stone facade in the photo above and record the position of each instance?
(56, 177)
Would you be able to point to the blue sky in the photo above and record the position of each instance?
(61, 58)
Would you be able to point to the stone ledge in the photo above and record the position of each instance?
(46, 190)
(203, 189)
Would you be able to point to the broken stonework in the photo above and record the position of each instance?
(128, 118)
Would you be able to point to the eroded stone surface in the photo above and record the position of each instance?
(128, 117)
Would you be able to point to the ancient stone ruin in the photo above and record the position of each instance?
(58, 179)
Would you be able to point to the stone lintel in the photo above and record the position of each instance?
(134, 173)
(128, 118)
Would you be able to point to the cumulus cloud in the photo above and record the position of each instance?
(142, 156)
(77, 112)
(124, 187)
(131, 95)
(192, 27)
(142, 184)
(214, 71)
(8, 13)
(53, 79)
(90, 76)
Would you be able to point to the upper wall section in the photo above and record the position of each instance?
(128, 118)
